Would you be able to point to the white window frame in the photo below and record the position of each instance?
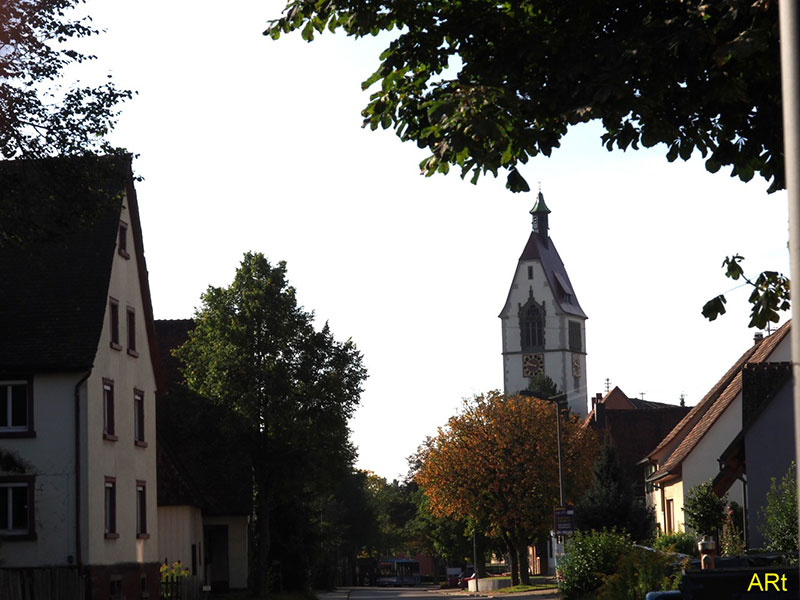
(9, 383)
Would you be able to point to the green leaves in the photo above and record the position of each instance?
(770, 295)
(694, 77)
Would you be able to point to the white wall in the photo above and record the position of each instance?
(51, 457)
(179, 527)
(557, 357)
(237, 547)
(121, 459)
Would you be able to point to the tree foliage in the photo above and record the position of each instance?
(609, 502)
(485, 85)
(39, 115)
(780, 515)
(705, 511)
(496, 463)
(770, 294)
(291, 390)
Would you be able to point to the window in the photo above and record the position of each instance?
(113, 315)
(138, 418)
(194, 559)
(111, 508)
(530, 272)
(670, 517)
(115, 588)
(16, 408)
(132, 332)
(16, 507)
(531, 325)
(575, 341)
(141, 510)
(108, 410)
(122, 240)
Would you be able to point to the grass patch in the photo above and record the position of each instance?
(527, 588)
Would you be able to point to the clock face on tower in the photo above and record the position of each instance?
(532, 364)
(576, 365)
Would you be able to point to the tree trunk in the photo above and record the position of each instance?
(259, 577)
(524, 571)
(512, 556)
(480, 567)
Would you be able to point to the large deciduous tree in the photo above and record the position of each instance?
(38, 116)
(497, 463)
(484, 85)
(291, 389)
(43, 116)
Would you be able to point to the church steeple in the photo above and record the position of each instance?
(539, 213)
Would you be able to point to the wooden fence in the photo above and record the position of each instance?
(53, 583)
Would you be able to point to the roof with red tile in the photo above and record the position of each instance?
(677, 445)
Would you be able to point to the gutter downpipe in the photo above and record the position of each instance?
(790, 92)
(78, 554)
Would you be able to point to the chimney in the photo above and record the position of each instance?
(758, 337)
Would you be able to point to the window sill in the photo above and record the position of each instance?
(17, 434)
(17, 537)
(111, 535)
(115, 346)
(142, 536)
(140, 444)
(123, 253)
(110, 437)
(133, 353)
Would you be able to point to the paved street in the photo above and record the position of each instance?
(425, 593)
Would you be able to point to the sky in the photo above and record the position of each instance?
(249, 144)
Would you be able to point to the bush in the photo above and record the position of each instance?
(681, 541)
(705, 511)
(780, 515)
(589, 556)
(638, 572)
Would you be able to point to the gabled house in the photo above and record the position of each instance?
(205, 481)
(764, 449)
(688, 455)
(78, 379)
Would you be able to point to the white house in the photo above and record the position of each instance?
(688, 455)
(78, 373)
(542, 322)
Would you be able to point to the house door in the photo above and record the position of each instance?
(217, 572)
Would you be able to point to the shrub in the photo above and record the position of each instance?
(705, 511)
(732, 537)
(638, 572)
(680, 541)
(780, 515)
(589, 556)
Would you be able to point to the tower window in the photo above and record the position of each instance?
(531, 326)
(575, 342)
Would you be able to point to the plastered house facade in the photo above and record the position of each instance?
(78, 381)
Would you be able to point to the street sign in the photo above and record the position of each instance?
(564, 520)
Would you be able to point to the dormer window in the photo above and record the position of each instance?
(122, 240)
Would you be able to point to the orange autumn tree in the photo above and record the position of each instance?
(496, 462)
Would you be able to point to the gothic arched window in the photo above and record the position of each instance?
(531, 326)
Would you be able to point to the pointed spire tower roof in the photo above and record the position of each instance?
(540, 247)
(539, 213)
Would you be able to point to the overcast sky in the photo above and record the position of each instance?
(248, 144)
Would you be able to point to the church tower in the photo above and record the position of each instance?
(544, 327)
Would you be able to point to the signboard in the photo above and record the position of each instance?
(564, 520)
